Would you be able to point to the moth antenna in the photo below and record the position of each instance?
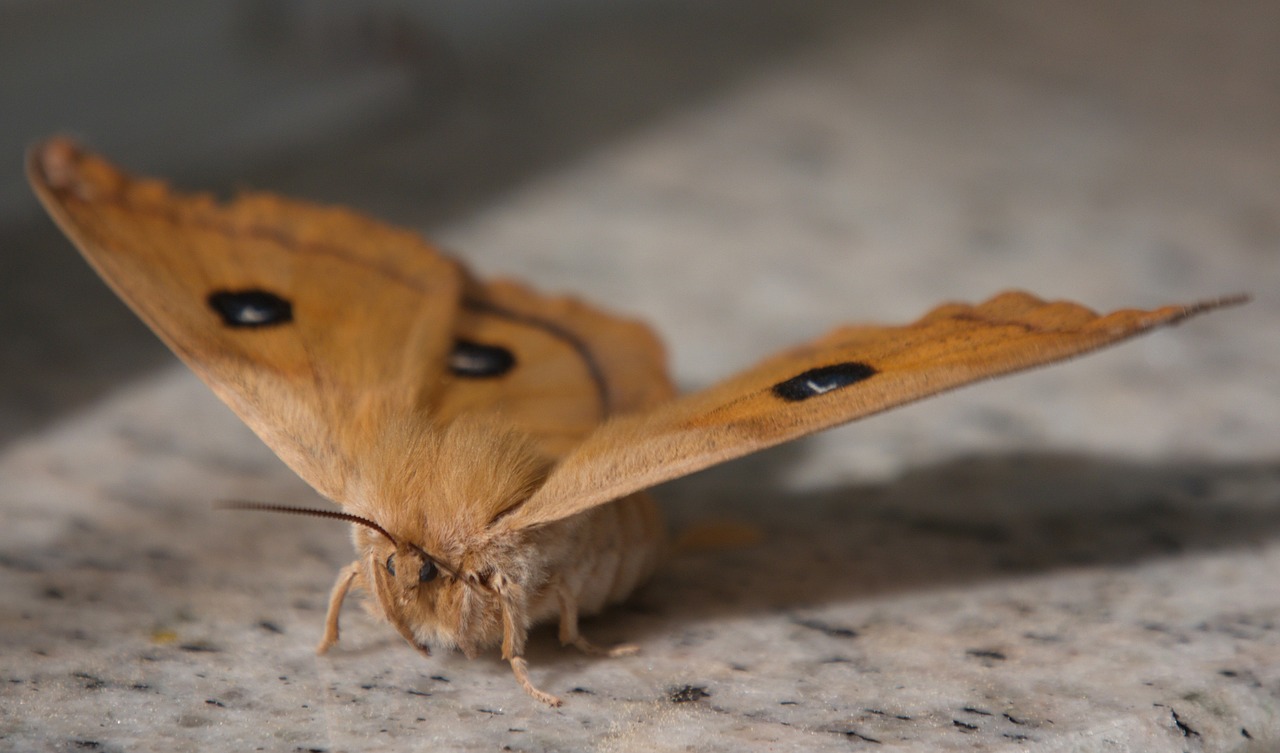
(235, 504)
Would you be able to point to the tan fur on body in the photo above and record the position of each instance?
(440, 490)
(494, 583)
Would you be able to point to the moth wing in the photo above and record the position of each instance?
(851, 372)
(329, 322)
(552, 366)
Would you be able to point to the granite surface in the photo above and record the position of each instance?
(1080, 559)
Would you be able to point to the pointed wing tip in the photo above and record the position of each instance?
(1174, 314)
(59, 168)
(52, 162)
(1221, 302)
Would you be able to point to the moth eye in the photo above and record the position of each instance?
(250, 308)
(822, 380)
(391, 563)
(427, 572)
(471, 359)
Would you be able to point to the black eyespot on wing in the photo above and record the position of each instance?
(822, 380)
(250, 308)
(478, 361)
(427, 572)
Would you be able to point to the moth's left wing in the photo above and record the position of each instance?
(849, 373)
(313, 323)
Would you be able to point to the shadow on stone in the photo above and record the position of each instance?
(965, 521)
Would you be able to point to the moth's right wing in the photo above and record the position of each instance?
(850, 373)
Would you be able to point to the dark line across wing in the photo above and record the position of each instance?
(558, 332)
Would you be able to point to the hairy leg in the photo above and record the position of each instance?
(569, 634)
(514, 633)
(346, 576)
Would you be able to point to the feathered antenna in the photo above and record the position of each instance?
(237, 504)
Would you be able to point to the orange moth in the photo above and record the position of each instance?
(490, 444)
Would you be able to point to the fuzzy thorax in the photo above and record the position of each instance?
(437, 493)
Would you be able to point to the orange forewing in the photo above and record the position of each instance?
(850, 373)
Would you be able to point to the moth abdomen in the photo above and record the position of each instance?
(601, 557)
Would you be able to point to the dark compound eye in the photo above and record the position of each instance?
(250, 308)
(822, 380)
(480, 361)
(427, 572)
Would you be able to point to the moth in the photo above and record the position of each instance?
(490, 444)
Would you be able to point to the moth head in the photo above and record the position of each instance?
(417, 568)
(399, 571)
(418, 592)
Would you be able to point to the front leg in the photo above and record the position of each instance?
(515, 629)
(346, 576)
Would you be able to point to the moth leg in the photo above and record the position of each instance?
(569, 634)
(513, 637)
(520, 668)
(346, 576)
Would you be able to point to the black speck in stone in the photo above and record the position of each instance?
(986, 653)
(90, 681)
(1182, 726)
(199, 648)
(687, 694)
(833, 631)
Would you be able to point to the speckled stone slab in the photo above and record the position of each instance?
(1080, 559)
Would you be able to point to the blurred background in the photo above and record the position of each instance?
(877, 120)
